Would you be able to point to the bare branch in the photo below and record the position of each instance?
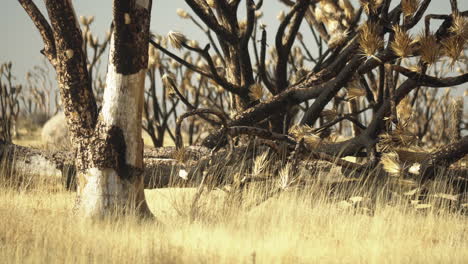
(44, 29)
(200, 112)
(430, 81)
(73, 78)
(180, 60)
(211, 21)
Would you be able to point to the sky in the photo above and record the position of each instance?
(21, 42)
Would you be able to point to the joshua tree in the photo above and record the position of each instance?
(365, 50)
(9, 102)
(108, 144)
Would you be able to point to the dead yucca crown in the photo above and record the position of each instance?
(402, 45)
(176, 39)
(398, 137)
(369, 39)
(348, 8)
(459, 26)
(370, 5)
(337, 38)
(182, 13)
(305, 132)
(429, 48)
(299, 132)
(169, 81)
(260, 164)
(256, 91)
(409, 7)
(453, 47)
(391, 163)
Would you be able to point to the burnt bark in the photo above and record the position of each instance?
(440, 160)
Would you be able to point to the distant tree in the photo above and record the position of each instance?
(9, 103)
(108, 144)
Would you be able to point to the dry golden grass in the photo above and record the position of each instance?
(295, 227)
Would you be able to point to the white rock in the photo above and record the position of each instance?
(55, 133)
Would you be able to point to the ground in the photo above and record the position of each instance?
(38, 226)
(296, 226)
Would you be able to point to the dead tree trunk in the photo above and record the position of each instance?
(442, 159)
(108, 146)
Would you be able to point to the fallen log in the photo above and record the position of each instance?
(159, 170)
(170, 167)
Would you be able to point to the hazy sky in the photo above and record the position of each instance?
(21, 42)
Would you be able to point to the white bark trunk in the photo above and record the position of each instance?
(108, 190)
(103, 190)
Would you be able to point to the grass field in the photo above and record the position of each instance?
(295, 227)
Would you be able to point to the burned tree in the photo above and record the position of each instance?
(108, 144)
(359, 66)
(9, 102)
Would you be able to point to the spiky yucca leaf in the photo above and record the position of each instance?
(328, 7)
(256, 91)
(403, 137)
(169, 81)
(409, 7)
(318, 14)
(459, 26)
(453, 47)
(403, 42)
(337, 38)
(284, 176)
(332, 25)
(398, 137)
(370, 5)
(312, 140)
(369, 39)
(298, 131)
(391, 164)
(260, 164)
(176, 39)
(348, 8)
(429, 48)
(305, 132)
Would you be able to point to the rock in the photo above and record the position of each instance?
(55, 134)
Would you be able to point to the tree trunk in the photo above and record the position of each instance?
(111, 179)
(442, 159)
(108, 147)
